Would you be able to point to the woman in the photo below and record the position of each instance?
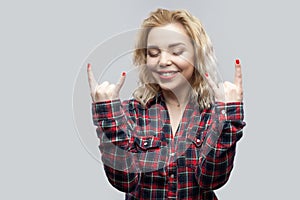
(176, 138)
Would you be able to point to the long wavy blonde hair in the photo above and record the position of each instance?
(205, 60)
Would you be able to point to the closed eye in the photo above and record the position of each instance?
(177, 50)
(153, 52)
(177, 53)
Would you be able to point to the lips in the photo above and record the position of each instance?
(167, 74)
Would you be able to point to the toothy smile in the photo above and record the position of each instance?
(167, 73)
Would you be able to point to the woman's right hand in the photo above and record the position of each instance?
(104, 91)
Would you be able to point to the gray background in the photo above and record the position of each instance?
(44, 44)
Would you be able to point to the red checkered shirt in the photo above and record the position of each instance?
(142, 158)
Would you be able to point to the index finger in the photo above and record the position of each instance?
(92, 81)
(238, 74)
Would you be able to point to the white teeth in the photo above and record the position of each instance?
(167, 73)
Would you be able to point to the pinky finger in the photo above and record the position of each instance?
(211, 83)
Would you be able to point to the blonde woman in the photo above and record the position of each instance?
(176, 139)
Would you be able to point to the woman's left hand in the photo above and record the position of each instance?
(227, 91)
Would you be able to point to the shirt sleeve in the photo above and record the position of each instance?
(227, 124)
(114, 131)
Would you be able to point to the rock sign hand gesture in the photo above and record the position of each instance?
(224, 92)
(104, 91)
(227, 91)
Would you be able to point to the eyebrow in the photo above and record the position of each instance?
(169, 46)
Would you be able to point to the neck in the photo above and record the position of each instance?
(174, 98)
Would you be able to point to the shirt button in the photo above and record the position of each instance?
(172, 176)
(198, 140)
(145, 143)
(223, 112)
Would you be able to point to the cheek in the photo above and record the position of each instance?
(151, 62)
(185, 59)
(189, 60)
(184, 63)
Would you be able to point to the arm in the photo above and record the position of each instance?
(227, 119)
(114, 132)
(214, 170)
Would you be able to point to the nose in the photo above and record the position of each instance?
(165, 59)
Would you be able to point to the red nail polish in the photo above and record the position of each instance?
(123, 73)
(237, 61)
(88, 65)
(206, 74)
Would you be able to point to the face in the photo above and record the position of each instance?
(170, 56)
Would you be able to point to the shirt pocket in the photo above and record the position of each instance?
(147, 143)
(151, 155)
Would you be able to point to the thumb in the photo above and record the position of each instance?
(120, 84)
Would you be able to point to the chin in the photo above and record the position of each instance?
(169, 87)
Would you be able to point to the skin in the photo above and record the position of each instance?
(169, 50)
(163, 57)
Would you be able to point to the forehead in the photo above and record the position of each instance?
(168, 34)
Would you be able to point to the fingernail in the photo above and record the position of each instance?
(206, 74)
(88, 65)
(123, 73)
(237, 61)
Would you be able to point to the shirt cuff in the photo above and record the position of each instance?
(230, 111)
(107, 111)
